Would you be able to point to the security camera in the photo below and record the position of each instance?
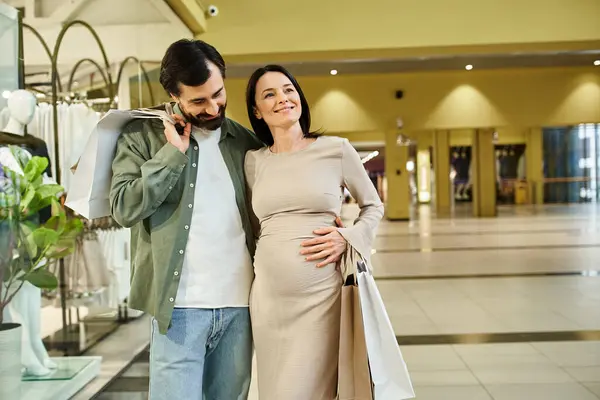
(213, 11)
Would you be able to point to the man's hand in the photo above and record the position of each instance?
(330, 245)
(182, 142)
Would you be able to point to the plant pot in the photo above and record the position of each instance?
(10, 367)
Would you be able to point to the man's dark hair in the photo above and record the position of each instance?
(185, 62)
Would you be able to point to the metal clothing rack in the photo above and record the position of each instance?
(68, 340)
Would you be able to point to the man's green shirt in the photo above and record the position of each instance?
(152, 192)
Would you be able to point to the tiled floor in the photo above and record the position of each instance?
(524, 288)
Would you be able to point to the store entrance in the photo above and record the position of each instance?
(510, 173)
(571, 164)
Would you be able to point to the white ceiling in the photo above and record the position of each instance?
(140, 28)
(95, 12)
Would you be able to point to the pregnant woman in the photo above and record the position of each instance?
(296, 185)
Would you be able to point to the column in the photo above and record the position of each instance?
(397, 203)
(484, 173)
(534, 162)
(441, 168)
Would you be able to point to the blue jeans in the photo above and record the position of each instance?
(205, 355)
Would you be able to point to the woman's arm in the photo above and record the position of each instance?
(355, 178)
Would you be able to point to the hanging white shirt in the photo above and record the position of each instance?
(217, 268)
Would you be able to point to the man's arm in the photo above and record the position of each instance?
(141, 183)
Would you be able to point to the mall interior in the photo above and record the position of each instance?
(479, 125)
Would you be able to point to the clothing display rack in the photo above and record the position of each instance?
(76, 337)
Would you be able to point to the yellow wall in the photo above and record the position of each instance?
(364, 106)
(506, 135)
(264, 27)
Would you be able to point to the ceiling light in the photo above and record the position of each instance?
(6, 94)
(469, 67)
(333, 72)
(597, 62)
(370, 156)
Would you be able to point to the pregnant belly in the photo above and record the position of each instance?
(278, 264)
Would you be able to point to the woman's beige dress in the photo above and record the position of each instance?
(295, 306)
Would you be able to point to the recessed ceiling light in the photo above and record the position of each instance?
(469, 67)
(597, 62)
(333, 72)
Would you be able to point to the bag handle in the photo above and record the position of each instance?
(355, 265)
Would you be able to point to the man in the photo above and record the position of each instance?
(184, 195)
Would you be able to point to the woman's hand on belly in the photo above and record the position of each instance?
(328, 246)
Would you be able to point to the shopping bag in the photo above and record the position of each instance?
(354, 377)
(89, 191)
(388, 370)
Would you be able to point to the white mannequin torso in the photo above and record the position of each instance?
(25, 308)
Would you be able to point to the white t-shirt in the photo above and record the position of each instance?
(217, 268)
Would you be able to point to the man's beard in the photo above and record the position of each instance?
(204, 121)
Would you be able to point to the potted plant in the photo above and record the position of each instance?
(27, 248)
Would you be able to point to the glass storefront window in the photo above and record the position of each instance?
(9, 56)
(571, 163)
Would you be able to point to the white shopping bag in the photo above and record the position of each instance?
(388, 369)
(89, 191)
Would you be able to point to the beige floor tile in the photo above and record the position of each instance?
(521, 374)
(432, 358)
(571, 354)
(501, 355)
(593, 387)
(585, 374)
(548, 391)
(451, 393)
(443, 378)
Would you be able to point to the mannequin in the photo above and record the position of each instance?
(25, 308)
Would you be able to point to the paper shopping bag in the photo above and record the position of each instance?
(388, 369)
(90, 188)
(354, 377)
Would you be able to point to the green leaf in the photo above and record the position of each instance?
(56, 223)
(5, 200)
(35, 168)
(60, 251)
(28, 198)
(45, 237)
(30, 224)
(56, 208)
(28, 239)
(38, 182)
(74, 225)
(61, 214)
(20, 155)
(46, 191)
(42, 278)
